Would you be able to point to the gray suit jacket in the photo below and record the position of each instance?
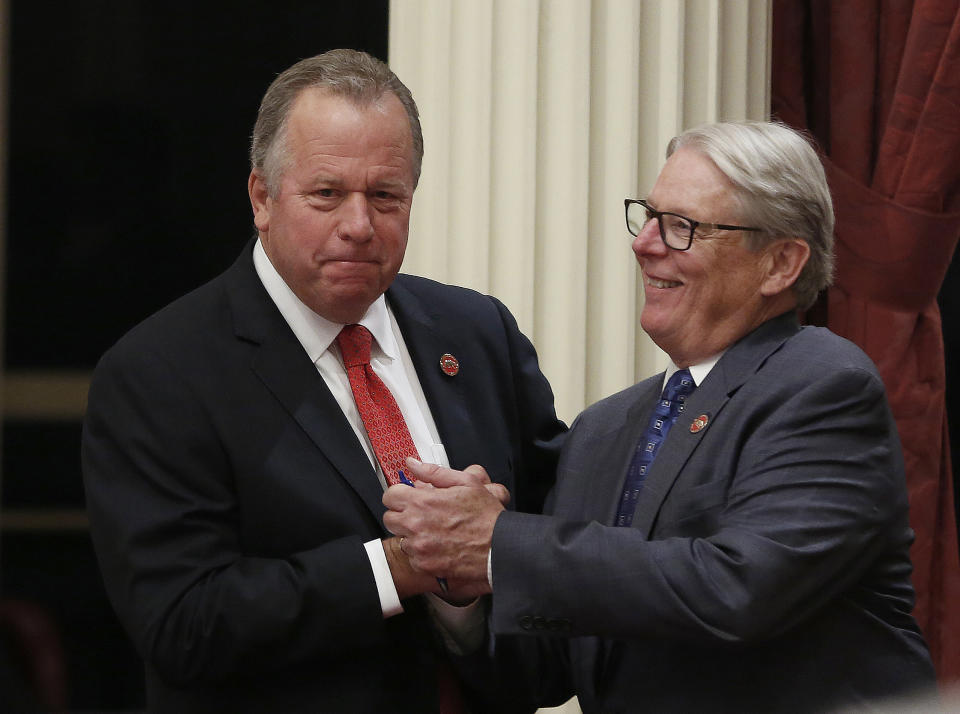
(767, 568)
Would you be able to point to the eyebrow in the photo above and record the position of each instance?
(705, 224)
(388, 183)
(655, 207)
(324, 179)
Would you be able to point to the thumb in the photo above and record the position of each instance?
(443, 477)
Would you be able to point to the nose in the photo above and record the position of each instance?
(648, 240)
(355, 221)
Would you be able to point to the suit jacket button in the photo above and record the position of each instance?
(539, 623)
(525, 621)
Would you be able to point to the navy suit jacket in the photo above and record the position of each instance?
(767, 569)
(229, 498)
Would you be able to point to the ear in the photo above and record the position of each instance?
(785, 260)
(260, 201)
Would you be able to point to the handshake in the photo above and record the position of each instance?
(442, 530)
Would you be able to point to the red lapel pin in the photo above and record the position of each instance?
(700, 423)
(449, 364)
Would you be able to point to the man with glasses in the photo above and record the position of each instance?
(730, 535)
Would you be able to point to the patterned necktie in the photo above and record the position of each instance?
(392, 444)
(665, 414)
(378, 409)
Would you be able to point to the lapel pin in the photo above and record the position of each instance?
(449, 364)
(700, 423)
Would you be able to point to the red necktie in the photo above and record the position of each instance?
(392, 444)
(378, 409)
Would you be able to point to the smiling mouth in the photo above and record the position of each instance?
(654, 282)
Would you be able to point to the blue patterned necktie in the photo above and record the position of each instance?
(665, 414)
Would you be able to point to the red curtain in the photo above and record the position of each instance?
(877, 83)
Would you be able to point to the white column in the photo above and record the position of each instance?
(539, 118)
(562, 198)
(611, 334)
(513, 157)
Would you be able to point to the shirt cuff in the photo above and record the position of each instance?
(389, 599)
(462, 628)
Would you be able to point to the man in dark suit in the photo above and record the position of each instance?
(753, 557)
(233, 487)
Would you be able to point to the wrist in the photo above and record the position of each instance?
(407, 581)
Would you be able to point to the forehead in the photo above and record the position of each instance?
(320, 118)
(691, 184)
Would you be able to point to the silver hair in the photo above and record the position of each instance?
(351, 74)
(781, 189)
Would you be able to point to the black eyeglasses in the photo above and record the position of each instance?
(676, 231)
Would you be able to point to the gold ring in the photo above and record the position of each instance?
(401, 545)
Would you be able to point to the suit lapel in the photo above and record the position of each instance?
(293, 379)
(739, 362)
(601, 494)
(428, 336)
(708, 398)
(282, 365)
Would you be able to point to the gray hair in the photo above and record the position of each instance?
(781, 189)
(351, 74)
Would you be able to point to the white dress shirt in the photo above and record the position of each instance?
(698, 371)
(391, 362)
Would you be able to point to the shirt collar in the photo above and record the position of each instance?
(698, 371)
(314, 332)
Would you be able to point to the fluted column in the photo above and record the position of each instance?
(539, 117)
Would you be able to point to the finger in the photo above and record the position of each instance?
(394, 522)
(398, 497)
(501, 492)
(479, 474)
(440, 476)
(463, 592)
(421, 473)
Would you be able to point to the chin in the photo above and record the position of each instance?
(652, 323)
(660, 332)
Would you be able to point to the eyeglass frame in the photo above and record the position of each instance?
(653, 213)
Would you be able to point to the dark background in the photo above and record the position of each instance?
(129, 124)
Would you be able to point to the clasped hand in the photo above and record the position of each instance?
(446, 522)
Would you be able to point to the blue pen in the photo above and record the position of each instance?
(404, 479)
